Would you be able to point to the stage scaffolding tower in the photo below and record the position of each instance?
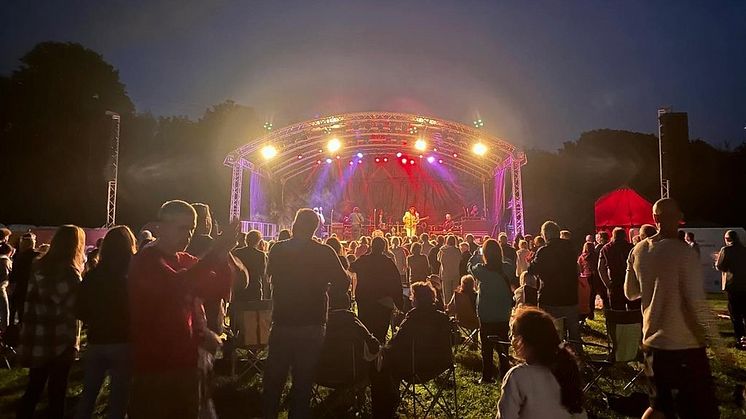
(111, 200)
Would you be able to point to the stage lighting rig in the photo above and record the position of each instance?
(479, 149)
(269, 151)
(333, 145)
(420, 145)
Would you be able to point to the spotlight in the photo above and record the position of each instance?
(479, 149)
(328, 161)
(269, 151)
(359, 155)
(318, 161)
(440, 161)
(420, 145)
(385, 159)
(455, 154)
(411, 162)
(268, 126)
(359, 162)
(398, 155)
(351, 163)
(321, 150)
(300, 156)
(478, 123)
(378, 160)
(338, 157)
(333, 145)
(431, 159)
(404, 161)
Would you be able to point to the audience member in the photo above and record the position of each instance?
(6, 267)
(586, 262)
(664, 273)
(419, 269)
(689, 238)
(20, 276)
(432, 255)
(50, 333)
(449, 258)
(255, 262)
(300, 271)
(509, 253)
(731, 261)
(527, 294)
(548, 382)
(521, 258)
(494, 303)
(400, 258)
(102, 306)
(556, 267)
(612, 268)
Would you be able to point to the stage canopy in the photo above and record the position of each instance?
(623, 208)
(377, 160)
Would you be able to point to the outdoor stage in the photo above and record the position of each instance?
(381, 162)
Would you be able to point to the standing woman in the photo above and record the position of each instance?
(102, 306)
(494, 304)
(50, 335)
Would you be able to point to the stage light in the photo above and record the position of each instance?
(479, 149)
(411, 162)
(300, 156)
(321, 150)
(351, 163)
(385, 159)
(440, 161)
(421, 156)
(338, 157)
(398, 155)
(318, 161)
(478, 123)
(268, 126)
(328, 161)
(455, 154)
(404, 161)
(333, 145)
(431, 159)
(359, 162)
(435, 149)
(420, 144)
(378, 160)
(359, 155)
(269, 151)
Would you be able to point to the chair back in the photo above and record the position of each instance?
(625, 333)
(253, 320)
(430, 357)
(341, 364)
(466, 313)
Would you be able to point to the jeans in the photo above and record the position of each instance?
(570, 316)
(295, 350)
(53, 374)
(737, 311)
(501, 330)
(114, 359)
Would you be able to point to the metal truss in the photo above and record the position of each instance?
(111, 196)
(300, 146)
(516, 161)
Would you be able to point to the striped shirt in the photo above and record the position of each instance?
(666, 275)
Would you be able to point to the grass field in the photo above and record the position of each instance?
(241, 398)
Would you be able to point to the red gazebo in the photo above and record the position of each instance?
(622, 208)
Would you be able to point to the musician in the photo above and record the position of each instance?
(356, 219)
(448, 224)
(411, 219)
(474, 211)
(321, 232)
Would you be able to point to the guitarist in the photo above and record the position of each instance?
(411, 219)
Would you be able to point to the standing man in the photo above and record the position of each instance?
(612, 268)
(411, 219)
(689, 238)
(356, 219)
(731, 261)
(509, 253)
(449, 257)
(665, 274)
(19, 277)
(255, 262)
(165, 286)
(555, 264)
(300, 271)
(448, 224)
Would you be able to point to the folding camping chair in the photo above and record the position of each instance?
(250, 325)
(421, 375)
(624, 330)
(346, 375)
(466, 320)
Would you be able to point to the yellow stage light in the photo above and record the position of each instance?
(333, 145)
(269, 151)
(420, 144)
(479, 149)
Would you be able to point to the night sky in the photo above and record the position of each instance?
(537, 73)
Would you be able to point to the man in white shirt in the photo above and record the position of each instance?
(664, 272)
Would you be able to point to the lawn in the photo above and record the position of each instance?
(241, 398)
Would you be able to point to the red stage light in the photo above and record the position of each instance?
(318, 161)
(398, 155)
(378, 160)
(385, 159)
(404, 161)
(411, 162)
(440, 161)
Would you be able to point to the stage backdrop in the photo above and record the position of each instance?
(391, 187)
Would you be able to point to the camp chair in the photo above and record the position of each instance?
(250, 325)
(421, 374)
(467, 321)
(624, 330)
(346, 373)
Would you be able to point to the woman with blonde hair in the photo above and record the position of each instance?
(50, 335)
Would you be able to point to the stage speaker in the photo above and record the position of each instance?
(478, 228)
(674, 147)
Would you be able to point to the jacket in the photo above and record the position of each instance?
(495, 296)
(555, 264)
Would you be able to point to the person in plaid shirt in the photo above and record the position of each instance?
(50, 334)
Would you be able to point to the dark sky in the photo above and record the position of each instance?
(538, 73)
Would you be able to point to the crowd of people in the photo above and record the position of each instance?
(154, 307)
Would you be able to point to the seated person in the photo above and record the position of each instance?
(426, 332)
(527, 293)
(463, 304)
(344, 329)
(437, 284)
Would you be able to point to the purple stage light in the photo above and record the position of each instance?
(431, 159)
(359, 155)
(328, 161)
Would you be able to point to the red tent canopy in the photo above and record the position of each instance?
(623, 208)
